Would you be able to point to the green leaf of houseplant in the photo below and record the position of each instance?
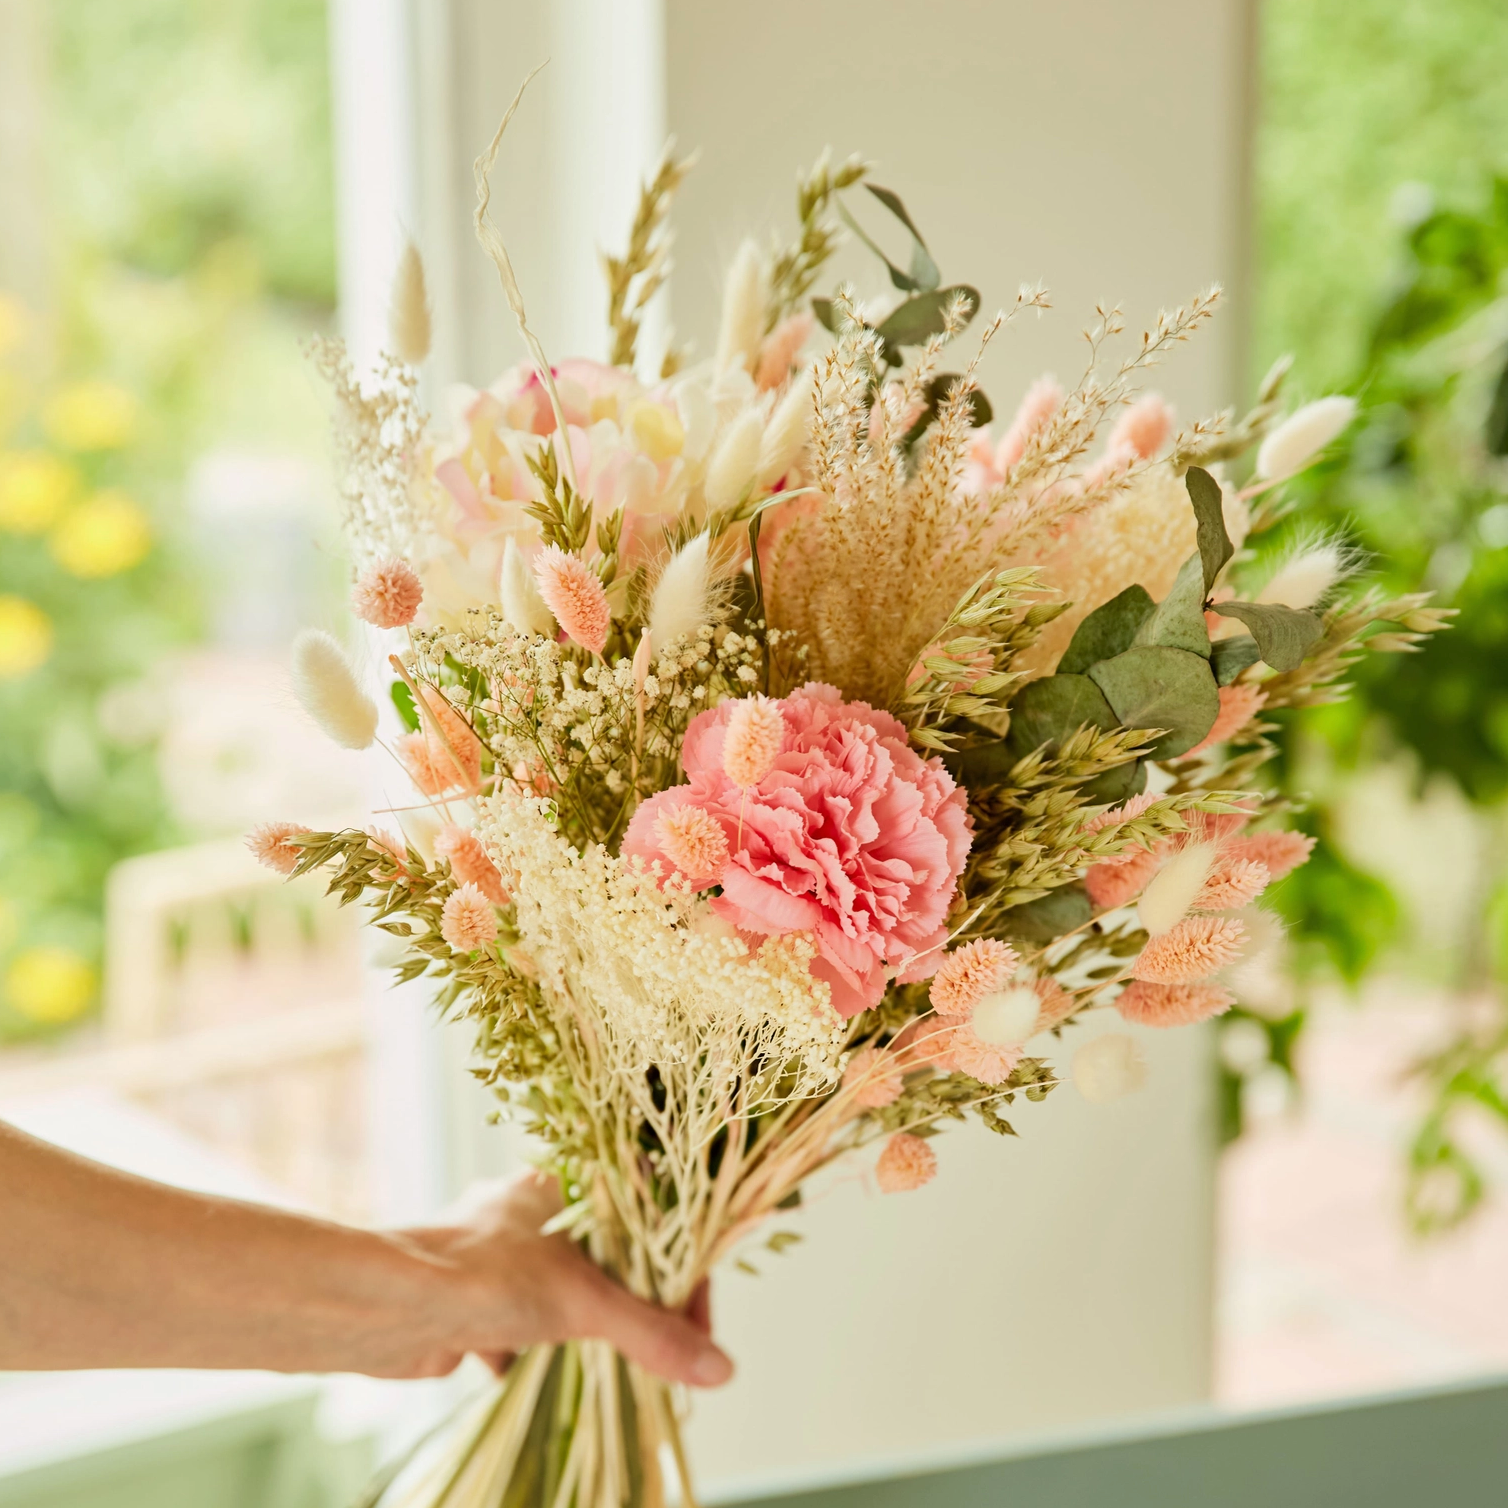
(1229, 657)
(1215, 547)
(916, 321)
(1283, 635)
(1178, 620)
(1109, 630)
(1159, 686)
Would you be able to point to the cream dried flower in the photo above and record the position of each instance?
(327, 689)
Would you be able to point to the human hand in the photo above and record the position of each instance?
(495, 1285)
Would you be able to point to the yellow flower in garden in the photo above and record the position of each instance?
(34, 488)
(91, 416)
(49, 984)
(25, 636)
(103, 536)
(12, 323)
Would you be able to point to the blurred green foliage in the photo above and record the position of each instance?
(189, 156)
(1384, 244)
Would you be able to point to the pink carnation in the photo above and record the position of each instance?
(270, 846)
(1172, 1004)
(906, 1163)
(851, 836)
(1281, 852)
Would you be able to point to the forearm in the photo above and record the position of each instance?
(100, 1269)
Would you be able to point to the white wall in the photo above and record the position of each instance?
(1094, 144)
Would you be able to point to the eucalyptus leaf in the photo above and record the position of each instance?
(924, 273)
(1215, 547)
(826, 315)
(1229, 657)
(1047, 710)
(1128, 779)
(1159, 686)
(916, 321)
(1109, 630)
(1284, 635)
(1049, 917)
(902, 280)
(1178, 621)
(937, 391)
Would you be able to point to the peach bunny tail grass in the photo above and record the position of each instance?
(469, 863)
(1238, 705)
(752, 740)
(575, 594)
(970, 973)
(387, 594)
(1191, 951)
(1143, 429)
(873, 1077)
(269, 845)
(468, 921)
(1233, 883)
(906, 1163)
(1172, 1004)
(1114, 882)
(1279, 851)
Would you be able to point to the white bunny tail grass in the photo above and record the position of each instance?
(408, 313)
(1302, 435)
(326, 686)
(734, 459)
(523, 607)
(1309, 574)
(1175, 887)
(688, 594)
(742, 327)
(785, 436)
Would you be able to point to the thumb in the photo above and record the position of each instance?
(657, 1339)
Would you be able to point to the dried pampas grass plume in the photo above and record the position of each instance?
(906, 1163)
(327, 689)
(731, 469)
(740, 334)
(408, 313)
(269, 845)
(686, 595)
(1109, 1068)
(1302, 435)
(387, 594)
(523, 607)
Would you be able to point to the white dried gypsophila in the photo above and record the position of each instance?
(635, 970)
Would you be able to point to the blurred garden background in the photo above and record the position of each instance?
(165, 525)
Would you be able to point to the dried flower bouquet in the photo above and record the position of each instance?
(793, 751)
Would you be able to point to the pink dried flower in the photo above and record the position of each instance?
(1238, 705)
(387, 594)
(413, 751)
(751, 744)
(1216, 827)
(1057, 1004)
(1172, 1004)
(1043, 399)
(1143, 429)
(921, 1041)
(575, 594)
(694, 841)
(1127, 811)
(446, 753)
(1190, 951)
(468, 921)
(851, 836)
(960, 1050)
(906, 1163)
(780, 348)
(970, 973)
(1280, 851)
(1233, 882)
(1114, 882)
(269, 844)
(391, 846)
(469, 863)
(874, 1077)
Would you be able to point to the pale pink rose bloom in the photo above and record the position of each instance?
(851, 836)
